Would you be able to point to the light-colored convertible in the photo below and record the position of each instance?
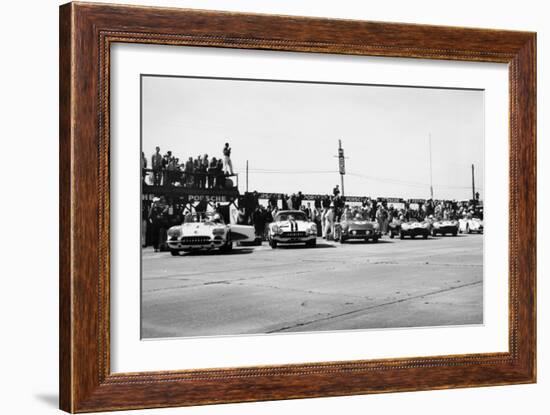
(206, 231)
(292, 227)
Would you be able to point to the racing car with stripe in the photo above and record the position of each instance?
(292, 227)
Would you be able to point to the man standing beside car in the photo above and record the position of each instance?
(157, 218)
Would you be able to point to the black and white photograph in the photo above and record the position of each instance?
(284, 206)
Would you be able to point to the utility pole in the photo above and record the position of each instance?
(473, 185)
(247, 176)
(341, 165)
(431, 182)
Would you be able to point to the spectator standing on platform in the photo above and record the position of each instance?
(156, 165)
(227, 164)
(171, 170)
(220, 179)
(143, 166)
(196, 171)
(336, 191)
(204, 171)
(189, 172)
(212, 167)
(197, 165)
(166, 160)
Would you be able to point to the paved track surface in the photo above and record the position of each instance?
(393, 283)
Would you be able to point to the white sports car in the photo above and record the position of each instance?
(291, 227)
(469, 225)
(206, 231)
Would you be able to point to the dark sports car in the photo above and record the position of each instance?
(443, 227)
(410, 228)
(357, 228)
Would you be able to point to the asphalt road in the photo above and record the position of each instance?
(393, 283)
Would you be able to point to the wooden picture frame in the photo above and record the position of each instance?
(86, 33)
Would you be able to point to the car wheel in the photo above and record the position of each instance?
(273, 244)
(454, 233)
(174, 252)
(434, 233)
(375, 239)
(401, 235)
(425, 236)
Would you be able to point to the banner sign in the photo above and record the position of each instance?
(210, 198)
(341, 161)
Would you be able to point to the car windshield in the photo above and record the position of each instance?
(284, 216)
(208, 217)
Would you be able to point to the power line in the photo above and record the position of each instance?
(406, 183)
(387, 180)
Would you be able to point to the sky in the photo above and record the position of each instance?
(289, 132)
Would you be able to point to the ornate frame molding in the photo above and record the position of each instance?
(86, 34)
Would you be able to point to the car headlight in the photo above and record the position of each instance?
(313, 229)
(174, 232)
(218, 231)
(436, 225)
(376, 226)
(275, 229)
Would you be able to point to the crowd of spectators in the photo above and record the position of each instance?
(200, 172)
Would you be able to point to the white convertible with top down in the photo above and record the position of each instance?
(292, 227)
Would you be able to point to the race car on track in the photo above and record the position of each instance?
(205, 232)
(292, 227)
(356, 228)
(411, 228)
(443, 227)
(469, 225)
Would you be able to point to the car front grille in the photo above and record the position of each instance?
(293, 234)
(359, 232)
(195, 240)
